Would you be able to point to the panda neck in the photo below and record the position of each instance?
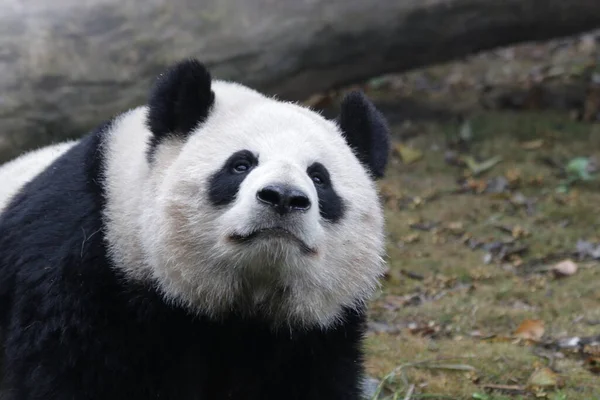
(127, 177)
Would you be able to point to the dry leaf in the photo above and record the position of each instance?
(455, 227)
(408, 154)
(422, 329)
(518, 232)
(565, 268)
(513, 176)
(530, 329)
(393, 302)
(410, 238)
(516, 261)
(544, 378)
(593, 364)
(532, 144)
(476, 185)
(478, 168)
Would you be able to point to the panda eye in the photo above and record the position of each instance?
(317, 179)
(241, 166)
(319, 175)
(240, 163)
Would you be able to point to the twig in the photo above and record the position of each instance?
(412, 275)
(409, 392)
(453, 367)
(506, 388)
(402, 368)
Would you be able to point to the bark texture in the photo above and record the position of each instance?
(66, 65)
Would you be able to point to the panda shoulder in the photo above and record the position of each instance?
(15, 173)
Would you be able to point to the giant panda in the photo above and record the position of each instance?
(216, 243)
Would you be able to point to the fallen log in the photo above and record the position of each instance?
(66, 65)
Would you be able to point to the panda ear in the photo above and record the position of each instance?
(366, 131)
(180, 99)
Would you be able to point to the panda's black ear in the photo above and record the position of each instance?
(366, 131)
(180, 99)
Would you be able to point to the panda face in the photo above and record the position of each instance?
(263, 210)
(274, 188)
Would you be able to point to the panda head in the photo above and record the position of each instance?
(261, 208)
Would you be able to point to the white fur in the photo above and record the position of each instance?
(16, 173)
(162, 227)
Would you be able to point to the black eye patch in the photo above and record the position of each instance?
(225, 183)
(331, 205)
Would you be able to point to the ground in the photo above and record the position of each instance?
(492, 216)
(448, 301)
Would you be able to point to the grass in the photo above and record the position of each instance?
(442, 304)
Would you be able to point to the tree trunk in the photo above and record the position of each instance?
(68, 64)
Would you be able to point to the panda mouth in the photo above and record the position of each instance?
(268, 233)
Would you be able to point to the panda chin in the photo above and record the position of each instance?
(270, 234)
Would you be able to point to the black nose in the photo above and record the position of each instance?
(284, 199)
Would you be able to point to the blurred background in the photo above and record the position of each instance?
(492, 196)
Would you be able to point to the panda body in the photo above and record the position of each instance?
(180, 252)
(16, 173)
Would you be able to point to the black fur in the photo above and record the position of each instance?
(366, 131)
(180, 100)
(75, 329)
(331, 205)
(225, 183)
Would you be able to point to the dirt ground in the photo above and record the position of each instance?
(492, 204)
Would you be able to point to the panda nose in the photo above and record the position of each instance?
(284, 199)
